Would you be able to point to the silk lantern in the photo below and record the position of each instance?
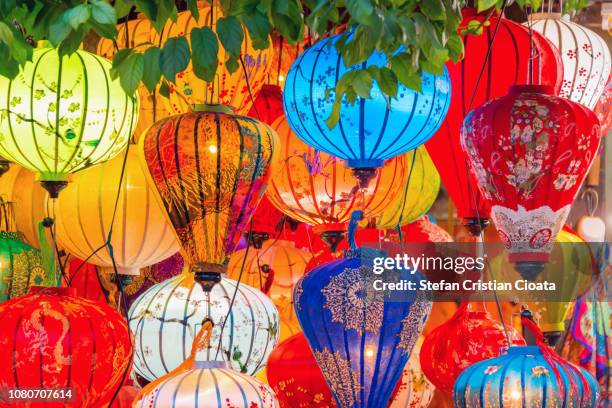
(210, 169)
(61, 115)
(417, 195)
(268, 105)
(603, 108)
(585, 55)
(468, 337)
(315, 188)
(525, 377)
(371, 130)
(166, 318)
(55, 340)
(413, 389)
(503, 50)
(141, 234)
(267, 222)
(530, 152)
(125, 397)
(274, 269)
(571, 269)
(21, 267)
(295, 377)
(198, 382)
(361, 338)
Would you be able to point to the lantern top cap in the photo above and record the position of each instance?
(549, 16)
(207, 365)
(212, 107)
(43, 290)
(524, 350)
(541, 89)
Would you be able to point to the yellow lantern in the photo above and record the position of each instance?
(227, 88)
(29, 199)
(142, 236)
(419, 193)
(570, 268)
(274, 269)
(61, 115)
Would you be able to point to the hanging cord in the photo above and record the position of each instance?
(482, 243)
(248, 84)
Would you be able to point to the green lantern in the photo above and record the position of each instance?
(61, 115)
(21, 266)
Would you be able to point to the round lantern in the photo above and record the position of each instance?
(591, 228)
(61, 115)
(142, 236)
(295, 377)
(317, 189)
(571, 269)
(19, 186)
(525, 377)
(603, 109)
(198, 382)
(418, 194)
(55, 340)
(125, 397)
(585, 55)
(274, 269)
(506, 64)
(423, 230)
(165, 319)
(530, 152)
(371, 130)
(210, 168)
(268, 105)
(468, 337)
(413, 389)
(20, 267)
(361, 337)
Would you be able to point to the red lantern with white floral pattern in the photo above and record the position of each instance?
(530, 152)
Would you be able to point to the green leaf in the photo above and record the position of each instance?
(434, 9)
(192, 6)
(9, 67)
(483, 5)
(360, 10)
(148, 7)
(402, 67)
(259, 28)
(362, 83)
(77, 15)
(232, 64)
(387, 81)
(455, 47)
(118, 59)
(174, 57)
(164, 89)
(131, 72)
(230, 34)
(72, 42)
(58, 30)
(103, 13)
(152, 74)
(334, 116)
(123, 7)
(204, 47)
(6, 34)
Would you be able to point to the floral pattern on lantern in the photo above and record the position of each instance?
(530, 152)
(61, 115)
(371, 130)
(585, 55)
(166, 318)
(524, 377)
(59, 340)
(413, 389)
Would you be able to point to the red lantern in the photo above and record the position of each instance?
(50, 338)
(530, 152)
(603, 109)
(508, 64)
(267, 223)
(423, 230)
(468, 337)
(295, 377)
(268, 105)
(126, 396)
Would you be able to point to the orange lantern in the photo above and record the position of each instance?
(274, 269)
(210, 169)
(318, 189)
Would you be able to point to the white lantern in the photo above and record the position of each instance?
(414, 389)
(166, 318)
(585, 56)
(591, 229)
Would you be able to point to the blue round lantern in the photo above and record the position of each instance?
(371, 130)
(361, 337)
(524, 377)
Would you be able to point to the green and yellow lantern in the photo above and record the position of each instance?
(63, 114)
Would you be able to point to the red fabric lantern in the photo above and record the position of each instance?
(468, 337)
(530, 152)
(268, 105)
(508, 64)
(295, 377)
(127, 394)
(267, 223)
(423, 230)
(51, 338)
(603, 109)
(84, 278)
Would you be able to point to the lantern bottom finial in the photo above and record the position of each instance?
(4, 166)
(364, 175)
(207, 274)
(529, 269)
(256, 239)
(54, 187)
(332, 239)
(476, 225)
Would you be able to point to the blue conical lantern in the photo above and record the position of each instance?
(370, 130)
(361, 337)
(525, 377)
